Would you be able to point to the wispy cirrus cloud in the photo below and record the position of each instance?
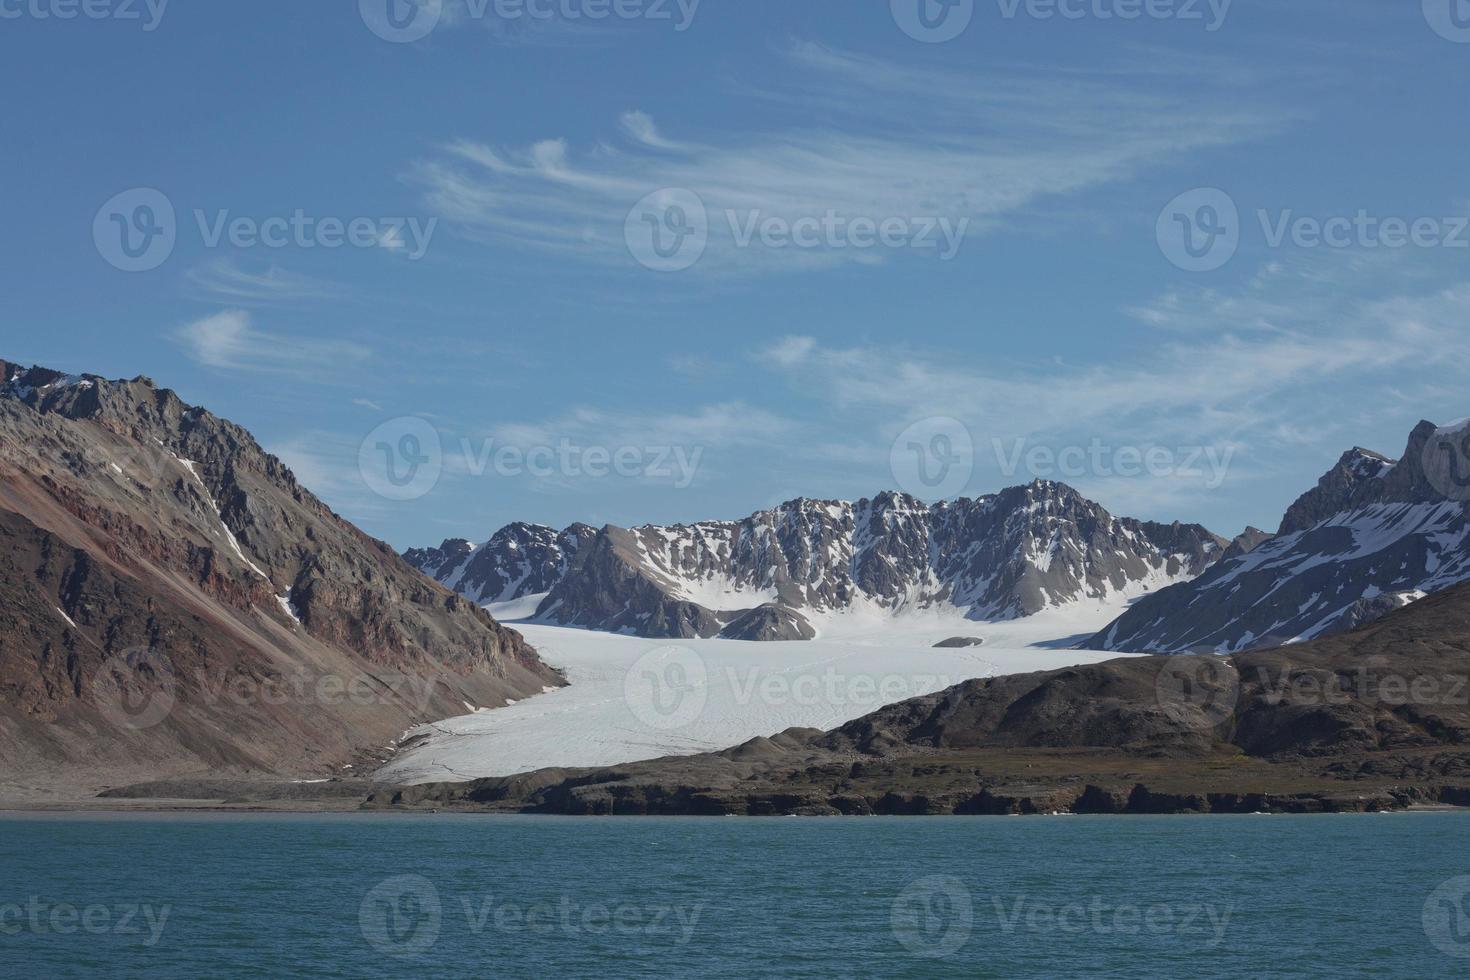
(226, 281)
(229, 341)
(1258, 372)
(893, 142)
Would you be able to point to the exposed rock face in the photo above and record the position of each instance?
(1002, 556)
(1373, 719)
(1247, 541)
(520, 560)
(769, 623)
(1373, 536)
(151, 549)
(959, 643)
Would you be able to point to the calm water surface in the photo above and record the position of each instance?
(353, 896)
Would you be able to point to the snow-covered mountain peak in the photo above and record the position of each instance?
(1373, 534)
(1000, 556)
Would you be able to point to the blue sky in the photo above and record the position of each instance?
(787, 352)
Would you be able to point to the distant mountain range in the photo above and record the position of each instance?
(1373, 536)
(172, 600)
(775, 574)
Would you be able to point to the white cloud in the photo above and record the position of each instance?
(1270, 372)
(892, 142)
(224, 280)
(229, 341)
(788, 351)
(725, 425)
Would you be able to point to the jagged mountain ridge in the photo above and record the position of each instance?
(519, 561)
(1374, 535)
(135, 527)
(1001, 556)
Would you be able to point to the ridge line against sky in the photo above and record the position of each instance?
(500, 298)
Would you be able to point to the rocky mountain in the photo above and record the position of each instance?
(520, 560)
(1374, 535)
(173, 601)
(1368, 721)
(773, 575)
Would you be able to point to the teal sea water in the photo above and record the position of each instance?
(438, 895)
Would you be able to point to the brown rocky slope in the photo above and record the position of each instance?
(173, 602)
